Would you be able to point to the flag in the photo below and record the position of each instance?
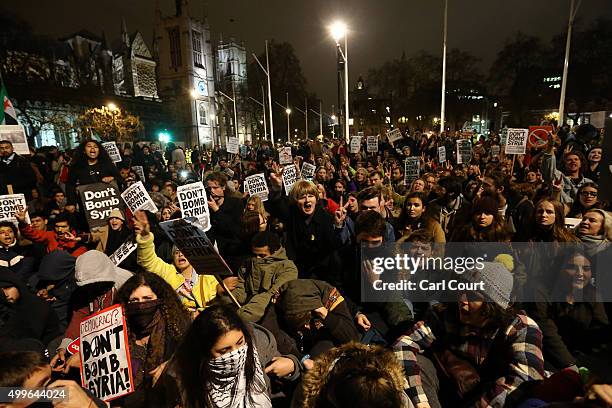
(7, 113)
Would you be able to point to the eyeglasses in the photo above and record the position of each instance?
(588, 193)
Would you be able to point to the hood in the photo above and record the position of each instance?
(95, 266)
(7, 276)
(303, 295)
(56, 266)
(278, 256)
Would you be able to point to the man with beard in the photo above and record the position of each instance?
(62, 237)
(571, 178)
(452, 208)
(15, 170)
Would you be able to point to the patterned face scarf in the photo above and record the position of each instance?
(228, 389)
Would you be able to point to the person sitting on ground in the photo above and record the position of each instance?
(12, 254)
(63, 236)
(263, 275)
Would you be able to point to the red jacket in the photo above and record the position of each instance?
(49, 238)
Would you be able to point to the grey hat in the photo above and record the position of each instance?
(498, 282)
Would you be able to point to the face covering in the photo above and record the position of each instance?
(140, 316)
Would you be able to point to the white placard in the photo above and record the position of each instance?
(495, 150)
(106, 368)
(517, 141)
(372, 143)
(139, 171)
(355, 145)
(394, 135)
(503, 137)
(194, 203)
(123, 252)
(411, 169)
(112, 150)
(464, 151)
(308, 171)
(572, 223)
(289, 177)
(137, 198)
(441, 154)
(285, 156)
(233, 145)
(17, 136)
(256, 185)
(10, 204)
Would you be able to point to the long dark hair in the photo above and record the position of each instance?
(190, 361)
(404, 221)
(79, 158)
(558, 233)
(174, 313)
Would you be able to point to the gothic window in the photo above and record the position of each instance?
(197, 48)
(202, 113)
(175, 47)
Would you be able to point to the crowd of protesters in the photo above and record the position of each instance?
(304, 336)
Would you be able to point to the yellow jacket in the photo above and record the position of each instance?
(203, 292)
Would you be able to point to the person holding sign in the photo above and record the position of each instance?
(156, 322)
(91, 164)
(223, 362)
(195, 291)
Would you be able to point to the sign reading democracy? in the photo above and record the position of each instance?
(99, 199)
(106, 368)
(194, 203)
(256, 185)
(137, 198)
(192, 241)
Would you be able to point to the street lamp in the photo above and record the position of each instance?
(339, 30)
(112, 106)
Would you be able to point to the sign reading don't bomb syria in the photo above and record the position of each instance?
(99, 199)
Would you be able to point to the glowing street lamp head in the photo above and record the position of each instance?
(338, 30)
(333, 117)
(194, 93)
(111, 106)
(288, 111)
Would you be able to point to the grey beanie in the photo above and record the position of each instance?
(498, 282)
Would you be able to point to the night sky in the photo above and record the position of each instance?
(380, 29)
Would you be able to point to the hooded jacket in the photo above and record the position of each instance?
(57, 268)
(30, 317)
(258, 281)
(93, 267)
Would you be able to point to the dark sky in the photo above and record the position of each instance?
(380, 29)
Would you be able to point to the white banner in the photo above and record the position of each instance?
(123, 252)
(441, 154)
(517, 141)
(394, 135)
(106, 368)
(464, 151)
(232, 145)
(256, 185)
(137, 198)
(308, 171)
(355, 145)
(411, 169)
(194, 203)
(372, 143)
(112, 150)
(10, 204)
(495, 150)
(503, 137)
(139, 172)
(285, 156)
(289, 177)
(17, 136)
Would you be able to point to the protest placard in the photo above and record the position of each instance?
(194, 203)
(10, 204)
(106, 368)
(112, 150)
(411, 169)
(394, 135)
(538, 136)
(285, 156)
(137, 198)
(517, 141)
(190, 238)
(372, 143)
(233, 145)
(464, 151)
(139, 170)
(244, 151)
(495, 150)
(17, 136)
(289, 177)
(355, 145)
(441, 154)
(123, 252)
(503, 137)
(256, 185)
(99, 199)
(308, 171)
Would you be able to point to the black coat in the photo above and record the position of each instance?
(88, 174)
(225, 225)
(19, 174)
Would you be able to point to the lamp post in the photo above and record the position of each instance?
(235, 114)
(443, 104)
(305, 113)
(212, 127)
(194, 96)
(267, 72)
(568, 40)
(288, 112)
(320, 115)
(263, 106)
(339, 30)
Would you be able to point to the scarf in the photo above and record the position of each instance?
(228, 389)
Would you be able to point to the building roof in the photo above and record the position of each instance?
(85, 34)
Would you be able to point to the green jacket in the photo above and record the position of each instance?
(259, 279)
